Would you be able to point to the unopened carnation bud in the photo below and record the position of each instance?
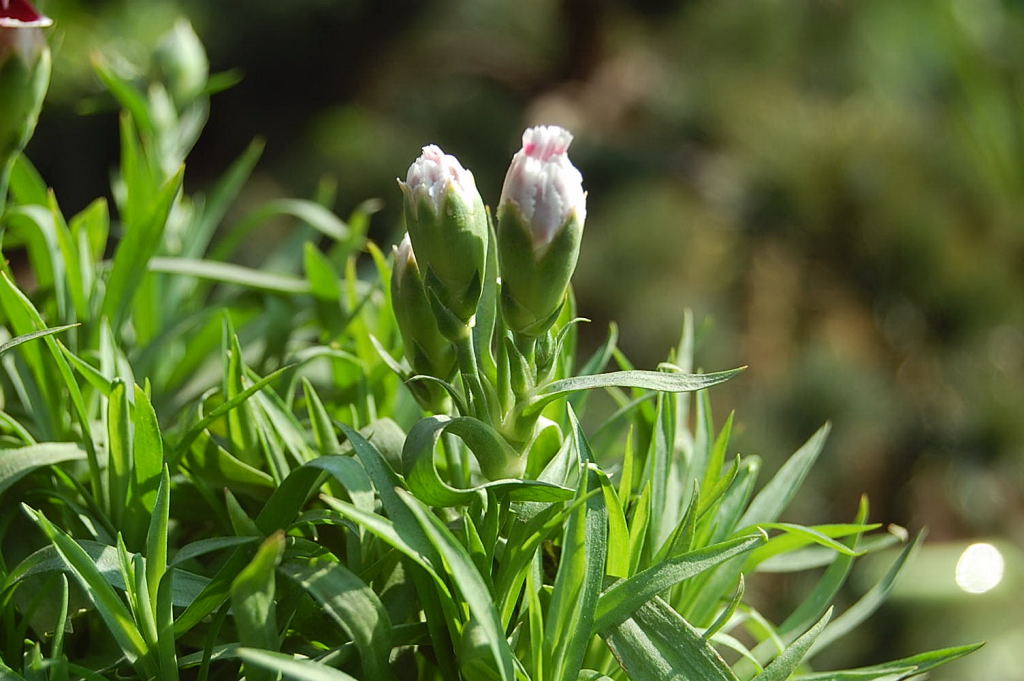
(24, 78)
(447, 223)
(540, 225)
(428, 352)
(181, 63)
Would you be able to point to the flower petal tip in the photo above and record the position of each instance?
(21, 14)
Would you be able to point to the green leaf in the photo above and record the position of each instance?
(27, 186)
(119, 453)
(17, 463)
(323, 280)
(575, 596)
(771, 501)
(648, 380)
(277, 513)
(202, 547)
(523, 540)
(186, 585)
(213, 465)
(816, 602)
(355, 607)
(868, 603)
(897, 670)
(156, 537)
(657, 643)
(228, 273)
(469, 583)
(140, 243)
(433, 593)
(656, 471)
(252, 600)
(618, 531)
(494, 454)
(148, 453)
(224, 408)
(53, 376)
(388, 532)
(309, 212)
(786, 663)
(15, 342)
(125, 93)
(291, 667)
(797, 536)
(113, 611)
(487, 309)
(622, 599)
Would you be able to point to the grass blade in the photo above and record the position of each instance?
(15, 342)
(783, 666)
(113, 611)
(771, 501)
(649, 380)
(657, 643)
(252, 601)
(291, 667)
(470, 585)
(621, 600)
(17, 463)
(355, 607)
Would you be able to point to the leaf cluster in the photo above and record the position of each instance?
(210, 471)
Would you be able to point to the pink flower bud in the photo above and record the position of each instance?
(434, 172)
(544, 184)
(540, 225)
(24, 78)
(447, 223)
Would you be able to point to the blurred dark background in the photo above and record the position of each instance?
(836, 186)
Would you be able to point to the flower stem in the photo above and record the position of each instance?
(6, 167)
(477, 397)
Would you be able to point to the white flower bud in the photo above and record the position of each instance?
(544, 184)
(426, 349)
(404, 256)
(447, 223)
(434, 172)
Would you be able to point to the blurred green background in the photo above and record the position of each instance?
(837, 186)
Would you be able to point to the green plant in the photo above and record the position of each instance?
(211, 470)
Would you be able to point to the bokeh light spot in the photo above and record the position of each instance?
(979, 569)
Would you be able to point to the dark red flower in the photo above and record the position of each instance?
(21, 14)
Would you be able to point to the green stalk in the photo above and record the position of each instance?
(5, 179)
(479, 401)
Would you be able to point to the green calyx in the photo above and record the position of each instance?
(24, 79)
(451, 245)
(534, 278)
(428, 351)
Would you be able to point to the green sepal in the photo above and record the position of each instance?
(24, 79)
(451, 244)
(427, 350)
(534, 280)
(451, 325)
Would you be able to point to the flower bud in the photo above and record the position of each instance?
(447, 223)
(24, 78)
(540, 225)
(181, 63)
(426, 349)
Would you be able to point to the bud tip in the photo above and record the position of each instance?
(21, 14)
